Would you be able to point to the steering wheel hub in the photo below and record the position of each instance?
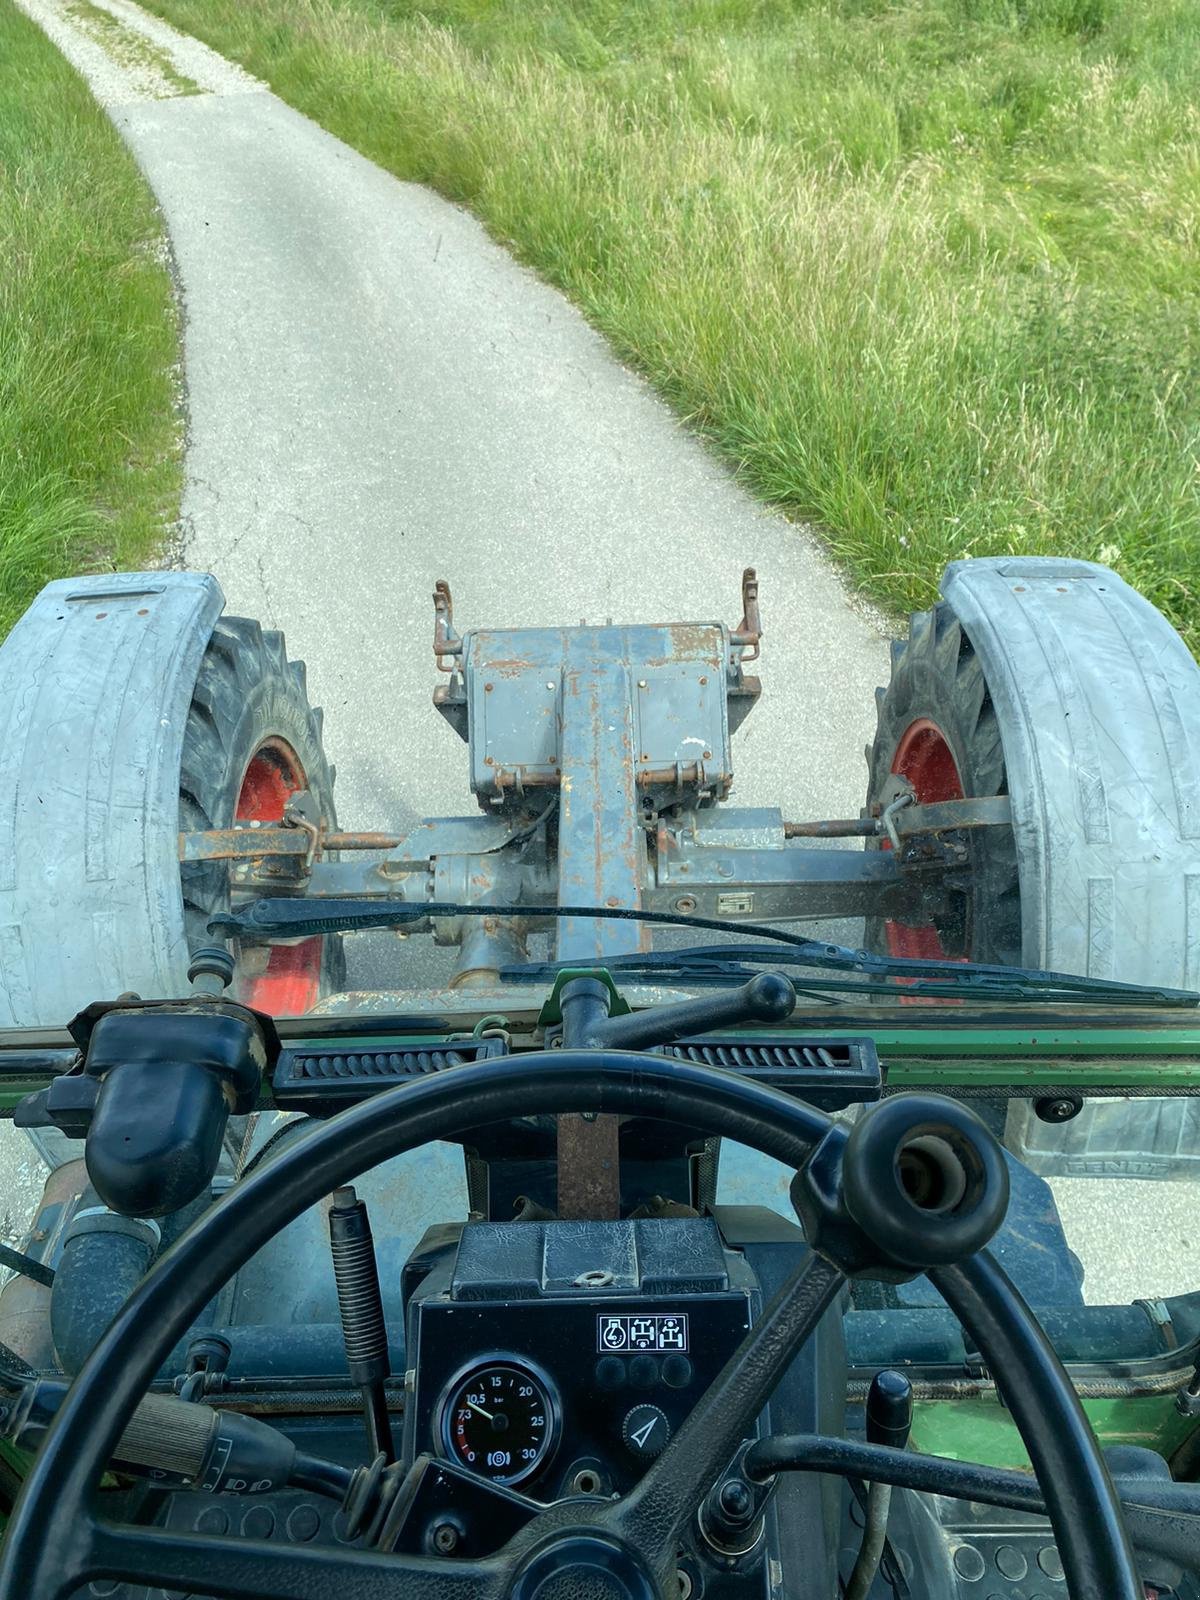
(584, 1566)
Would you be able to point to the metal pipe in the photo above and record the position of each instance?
(243, 843)
(377, 1420)
(837, 828)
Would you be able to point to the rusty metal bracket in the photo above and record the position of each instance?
(301, 813)
(589, 1168)
(748, 632)
(989, 811)
(446, 642)
(248, 842)
(888, 818)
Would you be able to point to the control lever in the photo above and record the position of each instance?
(889, 1422)
(767, 997)
(356, 1275)
(183, 1442)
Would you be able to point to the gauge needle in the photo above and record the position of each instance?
(481, 1411)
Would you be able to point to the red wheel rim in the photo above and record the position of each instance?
(924, 758)
(292, 980)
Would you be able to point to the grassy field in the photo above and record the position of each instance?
(89, 433)
(928, 271)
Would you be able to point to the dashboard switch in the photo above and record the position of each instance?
(645, 1431)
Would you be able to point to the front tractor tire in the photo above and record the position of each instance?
(251, 742)
(1057, 684)
(938, 738)
(134, 711)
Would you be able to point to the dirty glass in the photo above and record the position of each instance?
(1122, 1177)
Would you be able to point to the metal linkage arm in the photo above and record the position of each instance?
(768, 997)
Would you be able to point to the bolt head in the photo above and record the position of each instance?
(445, 1538)
(736, 1500)
(1057, 1108)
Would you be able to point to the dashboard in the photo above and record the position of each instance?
(558, 1359)
(551, 1359)
(575, 1388)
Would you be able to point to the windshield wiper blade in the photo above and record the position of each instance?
(692, 968)
(298, 918)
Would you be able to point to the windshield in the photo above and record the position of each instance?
(1066, 1068)
(1000, 909)
(1109, 1181)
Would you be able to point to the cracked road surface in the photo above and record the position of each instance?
(378, 396)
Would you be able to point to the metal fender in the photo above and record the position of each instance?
(1098, 701)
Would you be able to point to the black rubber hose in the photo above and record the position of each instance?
(99, 1269)
(104, 1258)
(1080, 1499)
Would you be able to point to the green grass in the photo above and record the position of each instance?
(927, 271)
(90, 437)
(129, 47)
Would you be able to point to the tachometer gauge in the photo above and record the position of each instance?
(500, 1419)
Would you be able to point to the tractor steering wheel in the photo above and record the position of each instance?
(863, 1215)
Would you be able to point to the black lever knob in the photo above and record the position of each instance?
(889, 1409)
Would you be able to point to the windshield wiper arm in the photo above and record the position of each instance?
(828, 989)
(301, 919)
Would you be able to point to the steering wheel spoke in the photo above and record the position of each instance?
(244, 1569)
(653, 1515)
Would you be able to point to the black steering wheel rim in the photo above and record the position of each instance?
(53, 1516)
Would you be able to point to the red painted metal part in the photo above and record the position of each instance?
(291, 983)
(926, 760)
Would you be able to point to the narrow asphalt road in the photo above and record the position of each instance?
(378, 396)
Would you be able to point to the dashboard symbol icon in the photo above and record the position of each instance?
(614, 1336)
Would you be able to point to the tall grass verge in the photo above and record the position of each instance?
(927, 271)
(89, 436)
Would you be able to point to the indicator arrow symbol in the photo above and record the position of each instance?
(640, 1435)
(481, 1411)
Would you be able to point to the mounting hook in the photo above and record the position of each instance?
(446, 641)
(749, 630)
(887, 822)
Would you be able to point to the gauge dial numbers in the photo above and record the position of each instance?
(500, 1420)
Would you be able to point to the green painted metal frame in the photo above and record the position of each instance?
(1157, 1055)
(980, 1429)
(1161, 1052)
